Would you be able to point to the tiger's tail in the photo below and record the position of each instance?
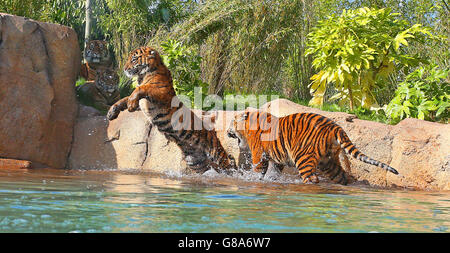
(350, 149)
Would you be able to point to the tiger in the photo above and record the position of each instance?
(200, 146)
(101, 93)
(97, 56)
(308, 141)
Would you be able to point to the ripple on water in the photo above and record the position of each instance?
(67, 205)
(230, 196)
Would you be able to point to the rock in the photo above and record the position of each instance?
(39, 64)
(14, 164)
(87, 111)
(92, 147)
(421, 152)
(128, 142)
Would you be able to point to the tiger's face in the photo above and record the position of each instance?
(107, 82)
(237, 129)
(142, 61)
(96, 52)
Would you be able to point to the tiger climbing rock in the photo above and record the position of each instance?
(308, 141)
(199, 144)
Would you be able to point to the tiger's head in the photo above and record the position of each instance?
(96, 53)
(107, 82)
(237, 129)
(142, 61)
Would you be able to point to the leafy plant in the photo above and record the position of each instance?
(424, 94)
(356, 51)
(184, 64)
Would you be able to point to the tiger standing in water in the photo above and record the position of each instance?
(308, 141)
(201, 148)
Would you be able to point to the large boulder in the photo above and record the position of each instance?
(128, 142)
(39, 64)
(421, 152)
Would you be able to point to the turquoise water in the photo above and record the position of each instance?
(132, 201)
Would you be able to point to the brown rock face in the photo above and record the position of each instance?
(128, 142)
(421, 151)
(39, 63)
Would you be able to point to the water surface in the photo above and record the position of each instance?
(133, 201)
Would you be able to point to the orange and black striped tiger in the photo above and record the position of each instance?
(101, 93)
(200, 146)
(308, 141)
(97, 56)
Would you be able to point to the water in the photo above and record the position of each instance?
(132, 201)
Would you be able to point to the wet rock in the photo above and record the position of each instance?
(128, 142)
(91, 147)
(39, 64)
(14, 164)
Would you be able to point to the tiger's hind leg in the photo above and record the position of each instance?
(333, 170)
(306, 166)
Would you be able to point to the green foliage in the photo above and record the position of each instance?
(258, 47)
(128, 24)
(184, 64)
(425, 94)
(25, 8)
(357, 51)
(245, 44)
(80, 81)
(126, 85)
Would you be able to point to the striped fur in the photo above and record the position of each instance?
(97, 57)
(201, 148)
(101, 93)
(308, 141)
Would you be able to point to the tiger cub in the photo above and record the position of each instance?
(101, 93)
(97, 56)
(308, 141)
(200, 146)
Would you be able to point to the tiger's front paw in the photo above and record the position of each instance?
(133, 105)
(113, 112)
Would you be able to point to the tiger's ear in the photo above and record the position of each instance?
(152, 54)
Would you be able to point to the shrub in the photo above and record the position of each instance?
(184, 64)
(424, 94)
(355, 50)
